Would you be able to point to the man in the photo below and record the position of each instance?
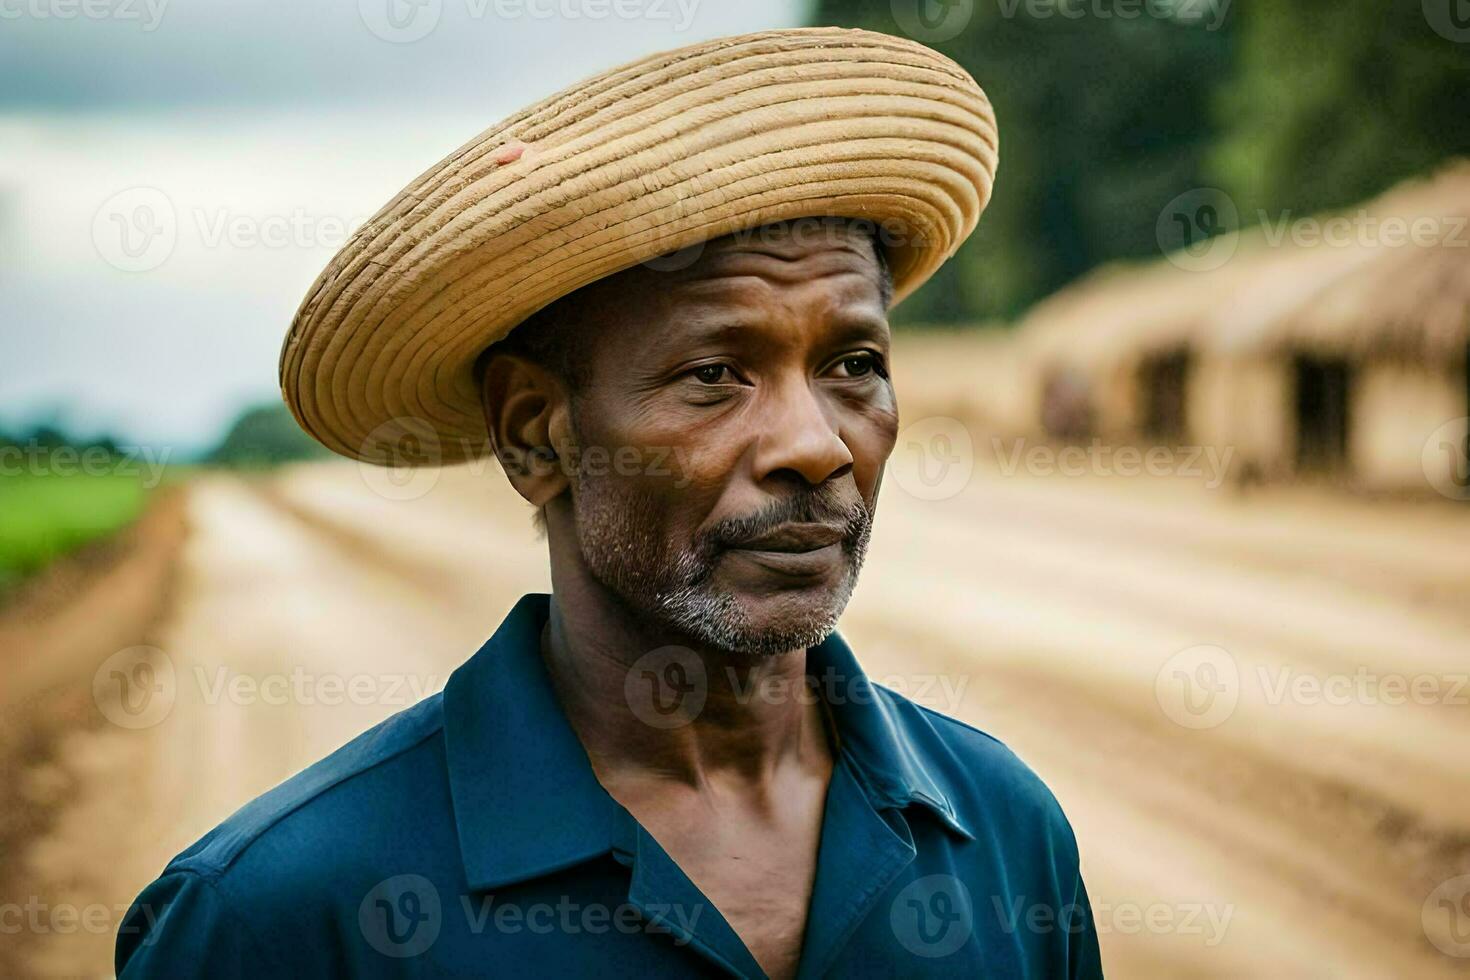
(672, 765)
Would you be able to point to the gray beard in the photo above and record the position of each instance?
(623, 551)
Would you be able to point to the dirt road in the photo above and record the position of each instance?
(1211, 686)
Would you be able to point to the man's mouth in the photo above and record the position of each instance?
(796, 550)
(796, 537)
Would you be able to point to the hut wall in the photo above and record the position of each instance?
(1243, 404)
(1119, 405)
(1396, 408)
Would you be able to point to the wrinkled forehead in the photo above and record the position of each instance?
(749, 282)
(834, 255)
(791, 240)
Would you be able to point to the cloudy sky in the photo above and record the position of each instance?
(174, 173)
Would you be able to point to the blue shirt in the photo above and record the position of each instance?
(468, 836)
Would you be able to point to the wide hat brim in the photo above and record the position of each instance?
(639, 162)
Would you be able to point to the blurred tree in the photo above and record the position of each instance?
(266, 435)
(48, 436)
(1110, 109)
(1105, 116)
(1334, 101)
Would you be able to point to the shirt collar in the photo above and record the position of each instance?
(892, 741)
(527, 803)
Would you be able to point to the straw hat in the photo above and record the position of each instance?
(647, 159)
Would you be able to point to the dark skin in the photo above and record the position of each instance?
(759, 375)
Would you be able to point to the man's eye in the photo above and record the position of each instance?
(710, 374)
(859, 365)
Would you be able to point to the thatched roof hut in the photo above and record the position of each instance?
(1403, 293)
(1391, 277)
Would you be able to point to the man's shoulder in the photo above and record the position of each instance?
(297, 860)
(348, 795)
(987, 782)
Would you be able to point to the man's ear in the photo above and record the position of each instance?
(527, 412)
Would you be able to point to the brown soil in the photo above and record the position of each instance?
(1047, 605)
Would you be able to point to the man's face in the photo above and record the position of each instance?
(749, 396)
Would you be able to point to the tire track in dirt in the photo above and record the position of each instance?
(1325, 856)
(54, 740)
(1320, 829)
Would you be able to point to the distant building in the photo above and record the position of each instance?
(1337, 351)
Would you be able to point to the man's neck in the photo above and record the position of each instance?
(648, 705)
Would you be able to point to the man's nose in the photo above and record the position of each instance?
(800, 435)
